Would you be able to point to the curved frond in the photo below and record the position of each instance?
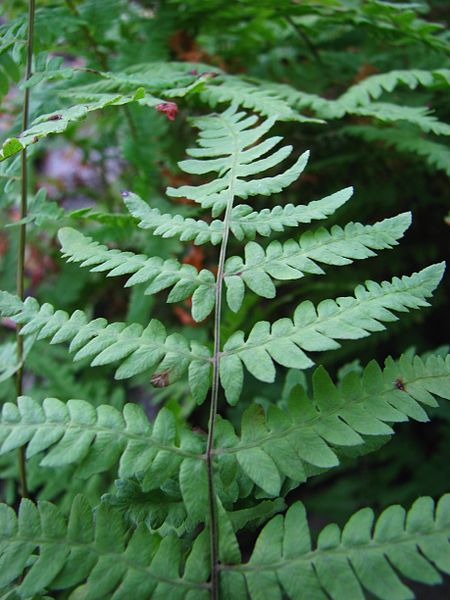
(159, 274)
(291, 259)
(139, 349)
(58, 122)
(96, 550)
(371, 88)
(244, 221)
(357, 100)
(367, 556)
(416, 115)
(229, 146)
(315, 432)
(311, 329)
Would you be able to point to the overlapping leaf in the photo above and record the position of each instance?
(310, 434)
(313, 432)
(97, 553)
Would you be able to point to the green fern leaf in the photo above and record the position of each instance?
(404, 140)
(419, 116)
(244, 222)
(229, 141)
(291, 260)
(96, 439)
(291, 443)
(241, 93)
(350, 563)
(159, 274)
(374, 86)
(58, 122)
(137, 348)
(314, 329)
(311, 433)
(97, 553)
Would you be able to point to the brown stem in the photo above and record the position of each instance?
(23, 235)
(213, 524)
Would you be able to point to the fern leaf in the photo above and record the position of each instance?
(8, 359)
(314, 329)
(96, 439)
(310, 433)
(363, 555)
(314, 432)
(167, 225)
(159, 274)
(291, 260)
(59, 121)
(137, 348)
(405, 140)
(229, 146)
(241, 93)
(371, 88)
(97, 553)
(244, 222)
(419, 116)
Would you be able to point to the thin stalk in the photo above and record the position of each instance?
(304, 37)
(23, 235)
(212, 507)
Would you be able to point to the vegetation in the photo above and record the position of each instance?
(158, 261)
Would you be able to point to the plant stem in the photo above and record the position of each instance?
(304, 37)
(23, 235)
(213, 524)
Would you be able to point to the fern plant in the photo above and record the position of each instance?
(170, 529)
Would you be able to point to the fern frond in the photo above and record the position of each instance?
(371, 88)
(262, 100)
(315, 431)
(229, 146)
(98, 553)
(244, 221)
(104, 343)
(357, 100)
(318, 329)
(58, 122)
(159, 274)
(167, 225)
(405, 140)
(292, 259)
(346, 564)
(310, 432)
(96, 439)
(419, 116)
